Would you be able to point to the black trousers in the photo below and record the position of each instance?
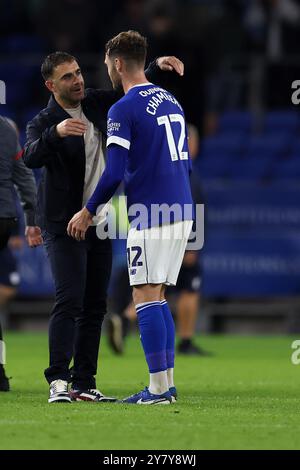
(6, 226)
(81, 272)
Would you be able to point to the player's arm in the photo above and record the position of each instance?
(111, 178)
(105, 189)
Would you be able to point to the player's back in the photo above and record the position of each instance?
(150, 123)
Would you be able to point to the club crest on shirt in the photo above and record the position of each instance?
(112, 126)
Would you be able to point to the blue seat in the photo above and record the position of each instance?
(15, 93)
(295, 148)
(252, 244)
(34, 269)
(250, 169)
(21, 43)
(282, 121)
(253, 263)
(11, 71)
(214, 166)
(287, 169)
(18, 80)
(272, 145)
(236, 121)
(252, 205)
(29, 113)
(229, 144)
(8, 111)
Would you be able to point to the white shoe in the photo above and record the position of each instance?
(59, 392)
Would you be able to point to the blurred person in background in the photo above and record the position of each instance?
(129, 14)
(14, 173)
(273, 29)
(9, 276)
(165, 33)
(119, 320)
(224, 83)
(69, 24)
(68, 140)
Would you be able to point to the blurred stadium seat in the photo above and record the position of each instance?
(239, 205)
(231, 143)
(233, 121)
(279, 121)
(254, 169)
(21, 43)
(287, 169)
(8, 111)
(272, 145)
(215, 166)
(34, 269)
(252, 245)
(254, 264)
(28, 114)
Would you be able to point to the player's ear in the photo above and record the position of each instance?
(118, 65)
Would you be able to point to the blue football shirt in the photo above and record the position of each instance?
(149, 122)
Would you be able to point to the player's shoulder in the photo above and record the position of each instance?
(122, 106)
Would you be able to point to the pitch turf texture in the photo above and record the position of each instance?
(247, 396)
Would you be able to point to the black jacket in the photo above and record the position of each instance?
(61, 187)
(14, 174)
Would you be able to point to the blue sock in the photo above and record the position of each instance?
(171, 332)
(153, 335)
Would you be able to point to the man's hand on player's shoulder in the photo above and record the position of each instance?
(170, 63)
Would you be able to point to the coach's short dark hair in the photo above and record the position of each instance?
(53, 60)
(130, 45)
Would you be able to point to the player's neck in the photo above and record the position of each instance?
(130, 81)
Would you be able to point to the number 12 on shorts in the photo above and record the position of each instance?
(133, 256)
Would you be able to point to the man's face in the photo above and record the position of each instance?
(67, 83)
(114, 75)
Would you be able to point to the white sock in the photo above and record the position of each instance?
(170, 375)
(159, 383)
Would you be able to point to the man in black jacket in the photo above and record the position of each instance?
(67, 139)
(14, 173)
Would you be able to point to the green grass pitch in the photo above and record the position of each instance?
(247, 396)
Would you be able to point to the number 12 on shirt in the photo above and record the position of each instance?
(175, 150)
